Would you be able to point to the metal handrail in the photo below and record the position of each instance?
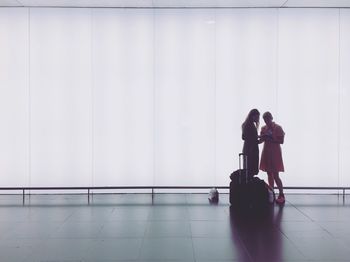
(155, 187)
(88, 188)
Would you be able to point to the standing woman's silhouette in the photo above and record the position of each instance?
(250, 136)
(271, 158)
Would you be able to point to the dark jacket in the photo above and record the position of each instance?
(251, 148)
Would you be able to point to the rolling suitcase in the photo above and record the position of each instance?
(247, 192)
(239, 182)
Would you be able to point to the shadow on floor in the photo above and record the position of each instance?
(258, 232)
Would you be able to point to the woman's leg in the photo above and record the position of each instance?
(271, 179)
(278, 183)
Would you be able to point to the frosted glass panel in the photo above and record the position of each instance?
(158, 96)
(308, 95)
(246, 77)
(184, 97)
(14, 97)
(344, 116)
(60, 61)
(123, 97)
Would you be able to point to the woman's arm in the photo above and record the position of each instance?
(279, 136)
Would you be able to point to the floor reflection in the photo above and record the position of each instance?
(258, 234)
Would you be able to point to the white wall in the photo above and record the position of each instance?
(60, 97)
(14, 97)
(184, 97)
(123, 97)
(308, 87)
(344, 98)
(157, 96)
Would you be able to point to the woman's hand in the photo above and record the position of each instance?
(261, 139)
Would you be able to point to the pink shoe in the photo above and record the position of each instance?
(280, 199)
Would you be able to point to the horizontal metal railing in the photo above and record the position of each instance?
(24, 189)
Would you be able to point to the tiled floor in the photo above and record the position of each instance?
(175, 227)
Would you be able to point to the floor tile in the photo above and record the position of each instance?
(14, 214)
(174, 227)
(322, 248)
(167, 249)
(114, 249)
(170, 199)
(91, 214)
(208, 213)
(62, 249)
(292, 213)
(32, 230)
(169, 213)
(335, 228)
(130, 213)
(202, 199)
(168, 229)
(49, 213)
(219, 249)
(123, 229)
(78, 230)
(18, 249)
(326, 213)
(211, 229)
(295, 229)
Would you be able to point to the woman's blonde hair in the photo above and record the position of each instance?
(267, 114)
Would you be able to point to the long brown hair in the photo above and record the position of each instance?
(249, 118)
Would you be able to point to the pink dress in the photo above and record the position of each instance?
(271, 156)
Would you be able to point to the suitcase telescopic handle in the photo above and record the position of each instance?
(243, 161)
(243, 158)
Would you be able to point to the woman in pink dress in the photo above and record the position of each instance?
(271, 157)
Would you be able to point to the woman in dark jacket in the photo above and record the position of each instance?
(250, 136)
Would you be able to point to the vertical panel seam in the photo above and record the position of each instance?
(92, 98)
(215, 103)
(277, 61)
(29, 100)
(154, 96)
(339, 90)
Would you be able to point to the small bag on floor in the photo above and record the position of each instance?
(213, 195)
